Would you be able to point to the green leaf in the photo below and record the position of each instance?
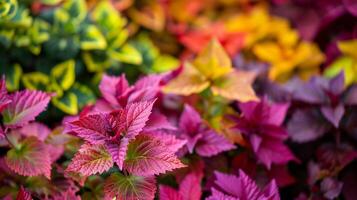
(165, 63)
(129, 187)
(127, 54)
(21, 19)
(13, 74)
(77, 9)
(84, 94)
(96, 61)
(68, 103)
(35, 81)
(64, 74)
(6, 36)
(92, 39)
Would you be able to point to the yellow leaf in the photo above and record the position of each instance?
(213, 62)
(190, 81)
(267, 51)
(348, 47)
(236, 86)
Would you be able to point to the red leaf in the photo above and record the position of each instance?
(136, 115)
(23, 194)
(147, 155)
(91, 159)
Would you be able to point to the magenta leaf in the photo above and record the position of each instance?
(168, 193)
(118, 151)
(30, 158)
(158, 121)
(242, 187)
(111, 87)
(23, 194)
(4, 97)
(147, 155)
(92, 128)
(190, 120)
(24, 107)
(212, 144)
(190, 187)
(129, 187)
(91, 159)
(39, 130)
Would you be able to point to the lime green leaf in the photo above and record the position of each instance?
(68, 103)
(21, 19)
(165, 63)
(108, 19)
(51, 2)
(345, 63)
(84, 94)
(64, 74)
(13, 74)
(35, 81)
(8, 8)
(127, 54)
(92, 39)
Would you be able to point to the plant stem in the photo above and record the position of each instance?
(7, 139)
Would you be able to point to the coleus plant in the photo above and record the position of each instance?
(28, 155)
(122, 135)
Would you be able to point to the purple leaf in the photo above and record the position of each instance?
(190, 120)
(337, 84)
(331, 188)
(168, 193)
(306, 125)
(333, 115)
(24, 107)
(35, 129)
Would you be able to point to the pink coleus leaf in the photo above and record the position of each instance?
(241, 188)
(2, 133)
(172, 143)
(24, 107)
(29, 158)
(136, 116)
(147, 155)
(4, 97)
(129, 187)
(169, 193)
(23, 194)
(158, 121)
(212, 144)
(190, 189)
(112, 87)
(92, 128)
(39, 130)
(190, 120)
(91, 159)
(118, 151)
